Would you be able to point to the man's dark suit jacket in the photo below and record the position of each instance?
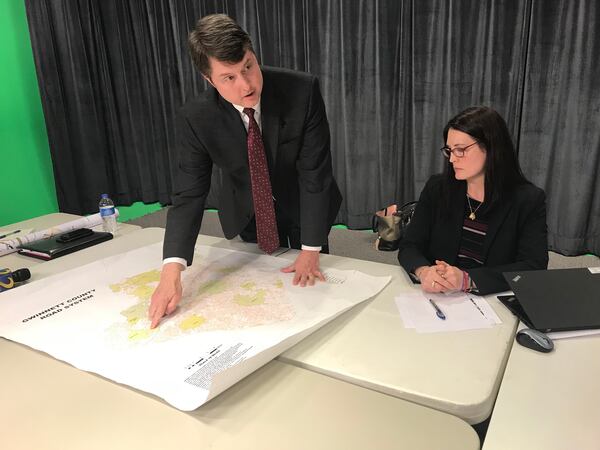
(296, 138)
(516, 238)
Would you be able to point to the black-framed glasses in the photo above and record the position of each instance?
(459, 152)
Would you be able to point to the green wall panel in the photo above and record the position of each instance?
(136, 210)
(26, 178)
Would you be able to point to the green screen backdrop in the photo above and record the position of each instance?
(26, 177)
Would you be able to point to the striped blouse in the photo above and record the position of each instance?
(470, 252)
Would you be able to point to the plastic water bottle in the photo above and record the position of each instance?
(107, 212)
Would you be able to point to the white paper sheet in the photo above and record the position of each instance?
(555, 335)
(237, 313)
(462, 311)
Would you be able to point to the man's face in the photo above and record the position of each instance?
(239, 83)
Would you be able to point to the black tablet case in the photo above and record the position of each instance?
(52, 248)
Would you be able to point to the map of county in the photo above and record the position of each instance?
(237, 313)
(222, 295)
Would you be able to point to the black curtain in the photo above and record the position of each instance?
(112, 73)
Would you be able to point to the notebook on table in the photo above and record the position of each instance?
(64, 244)
(555, 300)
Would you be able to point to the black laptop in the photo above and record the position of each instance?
(555, 300)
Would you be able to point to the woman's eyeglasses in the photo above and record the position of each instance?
(459, 152)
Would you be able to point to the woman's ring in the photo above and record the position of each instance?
(433, 283)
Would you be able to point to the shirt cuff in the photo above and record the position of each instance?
(181, 261)
(311, 248)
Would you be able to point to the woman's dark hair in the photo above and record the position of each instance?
(502, 170)
(219, 37)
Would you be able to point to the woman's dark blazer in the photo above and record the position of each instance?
(516, 238)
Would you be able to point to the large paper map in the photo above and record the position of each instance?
(226, 295)
(238, 311)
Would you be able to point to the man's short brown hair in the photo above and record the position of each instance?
(217, 36)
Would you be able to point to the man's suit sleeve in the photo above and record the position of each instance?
(315, 173)
(532, 247)
(191, 186)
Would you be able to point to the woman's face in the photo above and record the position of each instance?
(471, 166)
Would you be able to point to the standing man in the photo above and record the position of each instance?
(266, 129)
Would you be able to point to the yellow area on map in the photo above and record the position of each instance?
(135, 313)
(213, 287)
(139, 286)
(191, 322)
(215, 297)
(256, 298)
(140, 334)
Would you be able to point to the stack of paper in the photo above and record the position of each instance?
(572, 334)
(462, 312)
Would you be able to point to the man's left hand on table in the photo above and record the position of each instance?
(306, 268)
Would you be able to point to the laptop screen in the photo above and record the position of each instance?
(560, 299)
(512, 303)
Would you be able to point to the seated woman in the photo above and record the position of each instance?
(481, 217)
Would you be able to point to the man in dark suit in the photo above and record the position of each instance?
(267, 131)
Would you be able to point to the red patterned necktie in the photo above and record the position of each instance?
(262, 195)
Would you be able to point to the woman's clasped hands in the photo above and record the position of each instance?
(442, 277)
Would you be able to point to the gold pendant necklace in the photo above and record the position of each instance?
(472, 215)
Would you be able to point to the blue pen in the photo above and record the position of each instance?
(438, 311)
